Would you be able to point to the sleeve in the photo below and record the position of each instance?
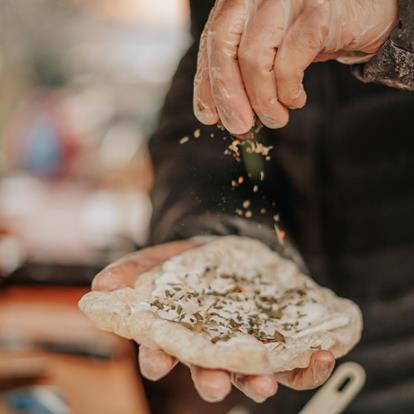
(192, 193)
(393, 65)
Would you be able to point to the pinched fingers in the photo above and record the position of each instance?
(320, 368)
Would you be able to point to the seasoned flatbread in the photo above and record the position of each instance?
(233, 304)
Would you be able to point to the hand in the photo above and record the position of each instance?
(253, 53)
(211, 384)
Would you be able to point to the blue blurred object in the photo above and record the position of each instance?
(37, 400)
(42, 147)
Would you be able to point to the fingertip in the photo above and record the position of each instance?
(294, 100)
(275, 122)
(299, 101)
(213, 385)
(204, 113)
(106, 281)
(322, 365)
(207, 119)
(154, 363)
(262, 385)
(236, 125)
(323, 356)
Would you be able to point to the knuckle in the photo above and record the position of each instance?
(213, 36)
(316, 19)
(284, 71)
(274, 118)
(247, 56)
(218, 43)
(254, 58)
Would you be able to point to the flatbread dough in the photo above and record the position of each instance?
(232, 304)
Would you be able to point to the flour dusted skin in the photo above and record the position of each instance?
(233, 304)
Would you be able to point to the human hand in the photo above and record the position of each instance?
(212, 384)
(253, 53)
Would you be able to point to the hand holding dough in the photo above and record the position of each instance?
(212, 384)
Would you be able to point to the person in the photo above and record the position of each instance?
(341, 173)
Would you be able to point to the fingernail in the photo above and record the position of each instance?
(253, 396)
(211, 398)
(208, 393)
(323, 369)
(235, 126)
(204, 113)
(152, 376)
(155, 367)
(271, 122)
(241, 383)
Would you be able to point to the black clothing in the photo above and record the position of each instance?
(342, 175)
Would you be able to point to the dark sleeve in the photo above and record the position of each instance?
(393, 65)
(192, 192)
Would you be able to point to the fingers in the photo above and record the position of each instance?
(212, 384)
(155, 364)
(256, 387)
(203, 102)
(320, 368)
(301, 45)
(223, 39)
(124, 271)
(263, 33)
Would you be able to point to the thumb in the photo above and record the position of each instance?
(125, 271)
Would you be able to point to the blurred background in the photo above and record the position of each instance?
(81, 86)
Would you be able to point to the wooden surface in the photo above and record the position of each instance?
(88, 385)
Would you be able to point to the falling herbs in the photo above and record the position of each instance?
(249, 144)
(238, 182)
(280, 234)
(251, 147)
(246, 204)
(184, 140)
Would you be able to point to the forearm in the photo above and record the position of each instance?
(393, 65)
